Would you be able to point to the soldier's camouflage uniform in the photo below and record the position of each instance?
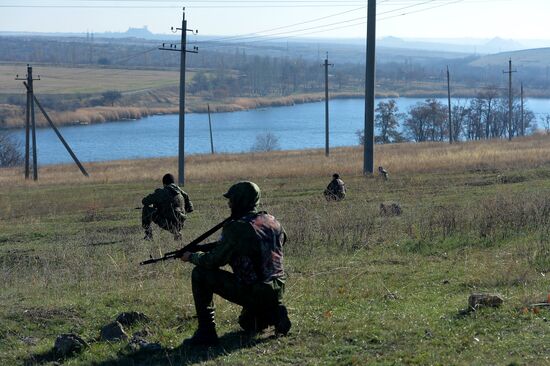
(252, 244)
(166, 207)
(336, 190)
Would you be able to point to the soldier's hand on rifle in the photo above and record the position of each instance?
(185, 256)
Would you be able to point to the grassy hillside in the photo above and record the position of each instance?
(537, 58)
(362, 288)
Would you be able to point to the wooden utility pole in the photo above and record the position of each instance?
(522, 114)
(510, 72)
(183, 52)
(368, 148)
(326, 65)
(52, 125)
(30, 122)
(31, 100)
(210, 126)
(449, 106)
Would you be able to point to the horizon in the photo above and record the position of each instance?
(486, 19)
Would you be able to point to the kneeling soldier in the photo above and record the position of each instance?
(252, 244)
(166, 207)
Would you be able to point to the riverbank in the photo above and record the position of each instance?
(136, 105)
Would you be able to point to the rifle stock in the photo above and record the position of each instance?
(191, 247)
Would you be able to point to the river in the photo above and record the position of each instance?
(300, 126)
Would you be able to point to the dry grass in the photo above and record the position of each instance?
(529, 152)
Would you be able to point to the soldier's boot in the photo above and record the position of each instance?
(281, 321)
(252, 322)
(205, 335)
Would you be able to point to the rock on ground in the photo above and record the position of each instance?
(491, 300)
(113, 332)
(68, 343)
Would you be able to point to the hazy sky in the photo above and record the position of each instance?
(517, 19)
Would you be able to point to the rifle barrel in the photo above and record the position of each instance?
(189, 247)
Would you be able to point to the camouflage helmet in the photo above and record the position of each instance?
(243, 195)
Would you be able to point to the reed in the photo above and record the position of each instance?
(398, 159)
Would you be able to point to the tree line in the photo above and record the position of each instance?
(483, 117)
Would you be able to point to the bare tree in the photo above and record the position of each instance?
(10, 151)
(266, 142)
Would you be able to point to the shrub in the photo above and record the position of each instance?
(10, 151)
(266, 142)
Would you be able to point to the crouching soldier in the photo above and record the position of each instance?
(252, 244)
(336, 189)
(167, 207)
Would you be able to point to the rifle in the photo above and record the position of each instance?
(191, 247)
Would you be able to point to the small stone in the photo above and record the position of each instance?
(138, 343)
(391, 296)
(68, 343)
(113, 332)
(131, 317)
(479, 300)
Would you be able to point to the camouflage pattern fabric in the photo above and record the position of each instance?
(167, 207)
(252, 245)
(336, 190)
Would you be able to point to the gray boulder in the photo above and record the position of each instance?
(69, 343)
(113, 332)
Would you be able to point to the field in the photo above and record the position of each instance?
(363, 288)
(74, 80)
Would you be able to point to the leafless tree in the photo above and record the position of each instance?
(10, 151)
(266, 142)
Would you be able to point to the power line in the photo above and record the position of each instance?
(286, 26)
(255, 38)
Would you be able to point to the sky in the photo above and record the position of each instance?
(285, 19)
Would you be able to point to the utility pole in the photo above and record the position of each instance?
(449, 103)
(52, 125)
(368, 148)
(509, 72)
(30, 121)
(522, 115)
(183, 52)
(326, 65)
(210, 126)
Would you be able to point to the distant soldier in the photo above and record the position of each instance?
(167, 207)
(252, 244)
(336, 189)
(383, 172)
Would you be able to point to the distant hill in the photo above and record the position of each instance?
(469, 46)
(534, 58)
